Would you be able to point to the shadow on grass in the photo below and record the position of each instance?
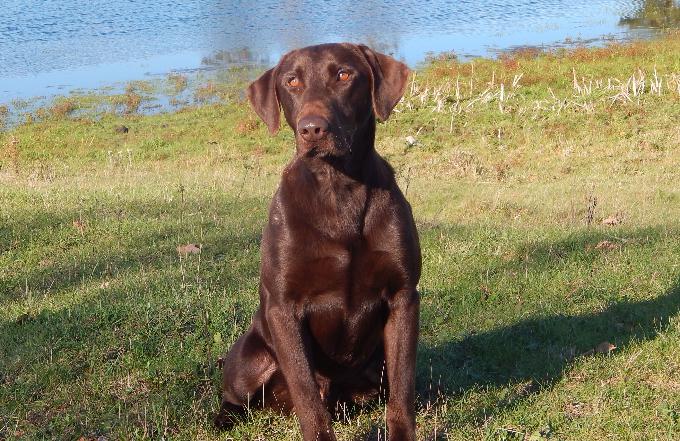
(94, 342)
(535, 353)
(141, 312)
(540, 349)
(65, 373)
(532, 355)
(115, 239)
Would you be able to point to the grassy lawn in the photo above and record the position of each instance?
(546, 188)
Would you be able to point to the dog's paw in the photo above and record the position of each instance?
(228, 416)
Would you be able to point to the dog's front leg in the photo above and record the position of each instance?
(293, 358)
(401, 341)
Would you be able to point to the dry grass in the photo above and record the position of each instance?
(4, 112)
(206, 92)
(178, 83)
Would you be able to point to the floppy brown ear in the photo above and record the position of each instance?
(389, 81)
(262, 96)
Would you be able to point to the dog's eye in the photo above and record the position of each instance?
(294, 82)
(343, 75)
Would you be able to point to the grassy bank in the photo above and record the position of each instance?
(546, 191)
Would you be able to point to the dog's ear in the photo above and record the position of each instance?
(263, 98)
(389, 81)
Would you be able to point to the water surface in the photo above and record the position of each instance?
(55, 47)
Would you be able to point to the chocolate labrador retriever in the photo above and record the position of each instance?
(338, 314)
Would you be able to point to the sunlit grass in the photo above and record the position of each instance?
(512, 167)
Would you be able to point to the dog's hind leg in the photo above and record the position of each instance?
(247, 369)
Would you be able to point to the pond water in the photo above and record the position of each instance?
(58, 46)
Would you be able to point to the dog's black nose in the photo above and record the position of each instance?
(312, 128)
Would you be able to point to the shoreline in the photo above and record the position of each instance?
(156, 98)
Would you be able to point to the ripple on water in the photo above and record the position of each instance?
(90, 43)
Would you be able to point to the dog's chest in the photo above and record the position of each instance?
(346, 303)
(330, 263)
(346, 334)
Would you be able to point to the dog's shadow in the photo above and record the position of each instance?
(539, 350)
(533, 354)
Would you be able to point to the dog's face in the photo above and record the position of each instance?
(327, 93)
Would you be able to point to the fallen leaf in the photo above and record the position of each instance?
(79, 225)
(527, 388)
(486, 292)
(23, 318)
(190, 248)
(604, 348)
(612, 220)
(606, 245)
(574, 410)
(625, 326)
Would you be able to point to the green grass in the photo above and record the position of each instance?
(105, 330)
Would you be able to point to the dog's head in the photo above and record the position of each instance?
(327, 93)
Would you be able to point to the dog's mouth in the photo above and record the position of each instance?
(331, 145)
